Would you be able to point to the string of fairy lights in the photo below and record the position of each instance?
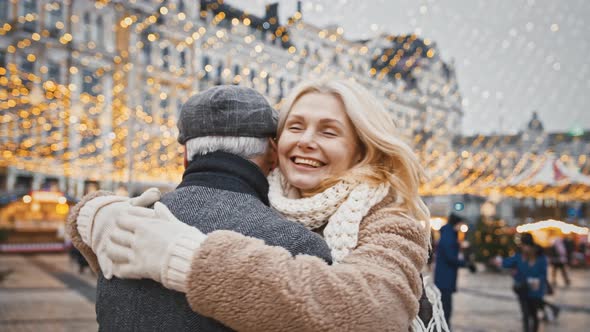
(61, 127)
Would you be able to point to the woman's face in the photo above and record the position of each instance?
(317, 141)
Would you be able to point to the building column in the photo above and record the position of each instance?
(61, 182)
(10, 178)
(37, 181)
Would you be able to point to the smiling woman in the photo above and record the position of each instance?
(339, 126)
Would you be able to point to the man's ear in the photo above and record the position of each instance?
(272, 157)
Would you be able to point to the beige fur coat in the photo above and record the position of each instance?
(249, 286)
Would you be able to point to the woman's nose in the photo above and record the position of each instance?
(306, 140)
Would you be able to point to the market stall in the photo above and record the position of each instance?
(34, 221)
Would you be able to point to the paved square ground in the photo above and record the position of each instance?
(485, 302)
(46, 293)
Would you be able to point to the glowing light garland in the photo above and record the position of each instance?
(60, 127)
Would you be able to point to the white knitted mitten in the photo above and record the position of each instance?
(97, 218)
(160, 248)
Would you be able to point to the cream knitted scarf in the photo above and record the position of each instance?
(341, 208)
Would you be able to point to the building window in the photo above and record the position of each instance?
(54, 72)
(165, 57)
(89, 84)
(147, 47)
(164, 110)
(4, 8)
(219, 73)
(182, 59)
(99, 31)
(29, 7)
(54, 16)
(26, 67)
(205, 64)
(219, 70)
(178, 108)
(86, 27)
(316, 55)
(147, 97)
(23, 182)
(181, 6)
(3, 59)
(203, 10)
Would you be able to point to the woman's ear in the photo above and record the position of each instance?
(360, 153)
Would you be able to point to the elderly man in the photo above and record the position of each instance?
(228, 136)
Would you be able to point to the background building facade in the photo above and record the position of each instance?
(91, 90)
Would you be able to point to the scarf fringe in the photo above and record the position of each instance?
(437, 323)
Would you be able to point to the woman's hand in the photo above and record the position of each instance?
(496, 261)
(159, 246)
(97, 217)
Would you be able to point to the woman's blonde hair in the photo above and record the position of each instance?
(385, 157)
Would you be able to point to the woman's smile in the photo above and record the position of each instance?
(307, 162)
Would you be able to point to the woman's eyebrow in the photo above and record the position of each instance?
(294, 117)
(332, 121)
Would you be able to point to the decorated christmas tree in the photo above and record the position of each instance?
(491, 238)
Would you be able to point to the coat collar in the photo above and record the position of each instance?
(226, 171)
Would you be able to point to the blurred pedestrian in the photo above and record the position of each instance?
(78, 259)
(448, 260)
(550, 311)
(530, 275)
(570, 248)
(559, 260)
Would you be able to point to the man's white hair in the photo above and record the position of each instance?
(245, 147)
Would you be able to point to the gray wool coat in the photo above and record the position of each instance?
(219, 191)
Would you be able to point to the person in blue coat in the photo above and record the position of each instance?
(530, 280)
(448, 260)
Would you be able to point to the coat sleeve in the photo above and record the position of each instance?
(72, 230)
(510, 262)
(249, 286)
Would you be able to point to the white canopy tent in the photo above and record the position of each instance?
(549, 171)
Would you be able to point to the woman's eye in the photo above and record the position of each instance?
(294, 127)
(330, 133)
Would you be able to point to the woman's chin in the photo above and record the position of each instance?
(303, 185)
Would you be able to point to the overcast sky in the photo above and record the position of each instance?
(511, 56)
